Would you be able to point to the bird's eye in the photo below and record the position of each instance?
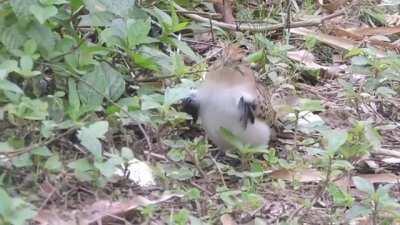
(244, 47)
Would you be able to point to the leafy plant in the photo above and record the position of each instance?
(378, 204)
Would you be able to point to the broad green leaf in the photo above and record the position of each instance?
(181, 174)
(137, 32)
(5, 147)
(340, 197)
(53, 164)
(145, 62)
(30, 47)
(163, 18)
(363, 185)
(6, 85)
(174, 94)
(104, 81)
(89, 137)
(356, 211)
(24, 213)
(334, 139)
(311, 105)
(127, 153)
(31, 109)
(42, 151)
(12, 37)
(176, 155)
(80, 164)
(385, 92)
(107, 168)
(151, 102)
(359, 61)
(6, 202)
(23, 160)
(43, 13)
(231, 138)
(74, 109)
(44, 37)
(21, 8)
(120, 7)
(163, 60)
(26, 63)
(183, 46)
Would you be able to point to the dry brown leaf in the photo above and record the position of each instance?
(227, 219)
(308, 59)
(385, 178)
(101, 210)
(332, 40)
(47, 217)
(305, 57)
(301, 175)
(371, 31)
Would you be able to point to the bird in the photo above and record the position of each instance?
(231, 97)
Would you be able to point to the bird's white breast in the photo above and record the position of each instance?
(219, 108)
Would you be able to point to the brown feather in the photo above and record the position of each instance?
(231, 70)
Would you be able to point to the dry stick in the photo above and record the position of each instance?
(39, 144)
(319, 193)
(260, 27)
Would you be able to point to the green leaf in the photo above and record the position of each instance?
(42, 151)
(6, 85)
(44, 37)
(21, 8)
(23, 160)
(108, 167)
(26, 63)
(12, 37)
(89, 137)
(231, 138)
(137, 32)
(357, 211)
(80, 164)
(24, 213)
(334, 139)
(311, 105)
(176, 155)
(103, 79)
(173, 95)
(31, 109)
(145, 62)
(43, 13)
(340, 197)
(181, 174)
(6, 202)
(53, 164)
(120, 7)
(74, 106)
(183, 46)
(363, 185)
(386, 92)
(30, 47)
(151, 102)
(127, 153)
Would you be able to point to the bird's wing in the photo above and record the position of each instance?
(264, 107)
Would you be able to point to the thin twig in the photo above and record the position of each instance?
(212, 15)
(39, 144)
(319, 193)
(260, 27)
(219, 171)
